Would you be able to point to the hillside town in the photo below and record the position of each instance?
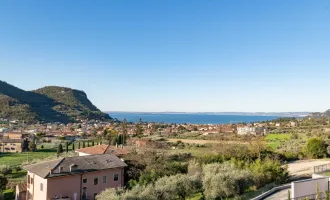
(90, 139)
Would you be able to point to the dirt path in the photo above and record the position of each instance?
(190, 141)
(304, 167)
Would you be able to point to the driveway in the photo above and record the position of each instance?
(304, 167)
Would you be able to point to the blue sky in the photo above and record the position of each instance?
(170, 55)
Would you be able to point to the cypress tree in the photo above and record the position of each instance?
(72, 146)
(59, 149)
(67, 147)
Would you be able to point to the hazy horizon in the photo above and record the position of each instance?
(181, 56)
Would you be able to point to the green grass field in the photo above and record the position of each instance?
(275, 140)
(16, 159)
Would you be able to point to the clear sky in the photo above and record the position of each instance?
(172, 55)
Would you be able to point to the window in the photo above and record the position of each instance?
(96, 181)
(85, 180)
(41, 187)
(104, 179)
(28, 179)
(32, 181)
(95, 194)
(115, 177)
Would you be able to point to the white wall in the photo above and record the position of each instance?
(308, 187)
(82, 154)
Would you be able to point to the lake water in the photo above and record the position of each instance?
(188, 118)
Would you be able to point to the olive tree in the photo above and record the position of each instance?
(225, 180)
(177, 187)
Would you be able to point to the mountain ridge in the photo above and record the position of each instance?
(47, 104)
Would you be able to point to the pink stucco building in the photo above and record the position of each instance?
(74, 178)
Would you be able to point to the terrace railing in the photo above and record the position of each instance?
(322, 168)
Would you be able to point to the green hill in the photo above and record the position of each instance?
(48, 104)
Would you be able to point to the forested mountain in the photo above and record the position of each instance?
(48, 104)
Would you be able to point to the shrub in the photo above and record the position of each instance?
(3, 182)
(5, 169)
(8, 194)
(112, 193)
(316, 148)
(268, 171)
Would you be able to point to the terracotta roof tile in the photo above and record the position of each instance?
(98, 149)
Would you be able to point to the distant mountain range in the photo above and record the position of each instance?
(47, 104)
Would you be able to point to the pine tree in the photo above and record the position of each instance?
(67, 147)
(32, 145)
(124, 130)
(139, 128)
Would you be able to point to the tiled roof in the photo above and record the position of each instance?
(81, 164)
(102, 149)
(98, 149)
(117, 151)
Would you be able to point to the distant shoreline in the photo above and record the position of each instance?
(193, 118)
(278, 114)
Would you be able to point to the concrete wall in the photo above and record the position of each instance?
(64, 186)
(308, 187)
(33, 187)
(30, 186)
(110, 183)
(38, 194)
(72, 186)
